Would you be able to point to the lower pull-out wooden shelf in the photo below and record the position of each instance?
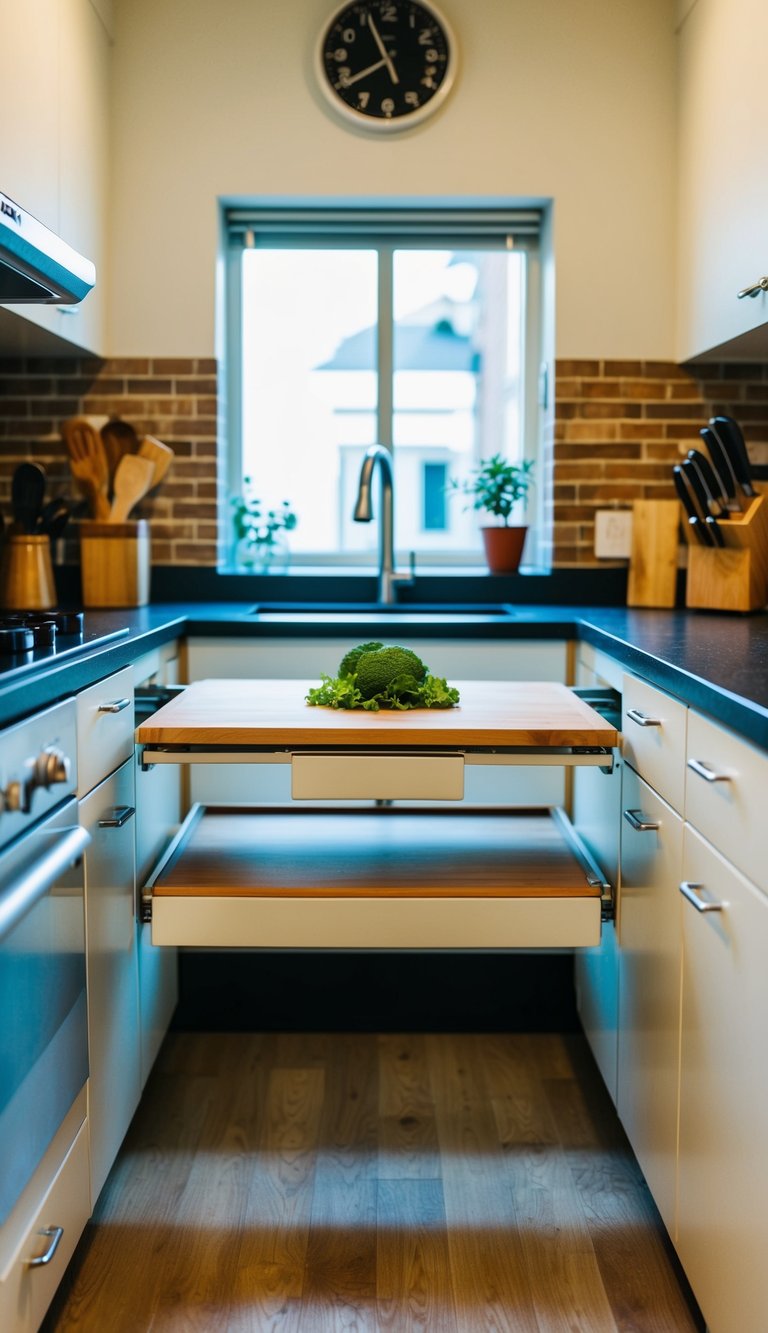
(375, 878)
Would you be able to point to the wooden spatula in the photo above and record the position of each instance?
(158, 453)
(133, 479)
(87, 462)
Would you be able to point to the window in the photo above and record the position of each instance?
(415, 329)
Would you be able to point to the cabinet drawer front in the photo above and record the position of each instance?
(27, 1291)
(104, 728)
(723, 1164)
(649, 930)
(725, 788)
(654, 725)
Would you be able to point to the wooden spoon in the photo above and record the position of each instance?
(158, 453)
(133, 478)
(119, 438)
(88, 462)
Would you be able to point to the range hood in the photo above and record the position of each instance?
(36, 266)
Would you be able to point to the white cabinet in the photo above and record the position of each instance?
(107, 810)
(113, 1018)
(723, 110)
(649, 929)
(54, 156)
(48, 1225)
(158, 815)
(596, 813)
(723, 1169)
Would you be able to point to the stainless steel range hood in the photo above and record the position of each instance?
(36, 266)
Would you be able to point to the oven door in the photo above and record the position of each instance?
(44, 1032)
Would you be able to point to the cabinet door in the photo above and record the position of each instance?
(649, 927)
(113, 999)
(723, 1164)
(723, 198)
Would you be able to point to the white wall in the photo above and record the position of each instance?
(555, 98)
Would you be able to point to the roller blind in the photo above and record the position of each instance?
(509, 227)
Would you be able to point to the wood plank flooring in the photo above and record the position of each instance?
(370, 1182)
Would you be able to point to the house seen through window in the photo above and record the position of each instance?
(345, 341)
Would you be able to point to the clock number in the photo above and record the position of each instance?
(387, 106)
(340, 54)
(425, 37)
(432, 56)
(363, 99)
(389, 13)
(412, 99)
(348, 36)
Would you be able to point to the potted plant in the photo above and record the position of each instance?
(260, 541)
(496, 486)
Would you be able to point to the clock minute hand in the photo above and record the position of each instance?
(347, 82)
(384, 53)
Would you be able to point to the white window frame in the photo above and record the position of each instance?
(385, 228)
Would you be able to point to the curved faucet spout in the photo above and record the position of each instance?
(378, 455)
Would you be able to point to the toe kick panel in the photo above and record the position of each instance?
(375, 878)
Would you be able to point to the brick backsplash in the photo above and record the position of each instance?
(618, 428)
(173, 399)
(621, 425)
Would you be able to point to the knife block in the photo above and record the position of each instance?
(733, 577)
(115, 563)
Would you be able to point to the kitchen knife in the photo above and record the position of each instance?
(717, 502)
(730, 436)
(696, 486)
(721, 467)
(27, 490)
(686, 499)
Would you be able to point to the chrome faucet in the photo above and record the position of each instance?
(364, 513)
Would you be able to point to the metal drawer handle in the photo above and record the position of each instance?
(692, 891)
(754, 289)
(637, 820)
(707, 773)
(114, 706)
(120, 815)
(55, 1234)
(642, 719)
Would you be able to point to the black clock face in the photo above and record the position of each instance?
(386, 63)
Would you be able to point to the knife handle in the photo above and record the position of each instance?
(713, 528)
(730, 435)
(703, 533)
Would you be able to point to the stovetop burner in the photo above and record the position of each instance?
(34, 637)
(21, 631)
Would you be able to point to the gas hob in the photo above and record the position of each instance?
(38, 638)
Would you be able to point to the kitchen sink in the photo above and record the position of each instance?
(345, 613)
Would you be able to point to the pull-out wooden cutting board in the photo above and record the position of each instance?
(274, 712)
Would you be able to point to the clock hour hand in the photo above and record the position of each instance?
(387, 59)
(353, 78)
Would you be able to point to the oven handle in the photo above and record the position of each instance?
(20, 896)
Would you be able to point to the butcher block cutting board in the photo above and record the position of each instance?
(274, 713)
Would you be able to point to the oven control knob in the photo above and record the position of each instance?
(12, 797)
(51, 766)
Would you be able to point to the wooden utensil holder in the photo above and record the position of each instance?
(26, 573)
(115, 560)
(733, 577)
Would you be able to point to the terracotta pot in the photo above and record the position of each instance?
(503, 548)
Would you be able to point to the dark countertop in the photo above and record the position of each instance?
(717, 663)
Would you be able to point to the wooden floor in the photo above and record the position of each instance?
(461, 1184)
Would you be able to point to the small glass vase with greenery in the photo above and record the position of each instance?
(260, 532)
(495, 487)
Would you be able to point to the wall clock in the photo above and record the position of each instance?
(386, 64)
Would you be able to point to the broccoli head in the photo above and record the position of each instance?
(349, 661)
(378, 667)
